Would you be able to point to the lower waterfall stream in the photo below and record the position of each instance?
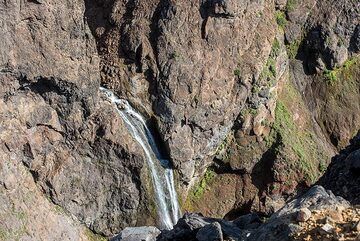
(160, 168)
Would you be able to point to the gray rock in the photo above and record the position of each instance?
(303, 215)
(354, 161)
(210, 232)
(343, 174)
(137, 234)
(249, 221)
(280, 225)
(326, 229)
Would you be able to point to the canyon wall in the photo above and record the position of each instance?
(249, 100)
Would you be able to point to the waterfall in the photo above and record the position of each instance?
(161, 173)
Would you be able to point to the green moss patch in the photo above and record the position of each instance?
(198, 190)
(291, 5)
(345, 71)
(297, 148)
(280, 19)
(93, 237)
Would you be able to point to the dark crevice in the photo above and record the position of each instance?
(34, 1)
(44, 85)
(203, 29)
(208, 9)
(155, 30)
(52, 128)
(125, 51)
(220, 167)
(97, 14)
(153, 127)
(237, 212)
(262, 174)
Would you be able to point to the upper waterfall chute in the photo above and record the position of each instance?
(161, 173)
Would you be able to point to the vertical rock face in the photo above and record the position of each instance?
(190, 64)
(343, 174)
(54, 123)
(301, 110)
(261, 92)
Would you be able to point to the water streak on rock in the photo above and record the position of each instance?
(160, 168)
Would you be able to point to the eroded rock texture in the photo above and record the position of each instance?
(302, 109)
(54, 123)
(249, 100)
(190, 64)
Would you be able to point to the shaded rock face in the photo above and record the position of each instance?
(343, 174)
(331, 37)
(181, 62)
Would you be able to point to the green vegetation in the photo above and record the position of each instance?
(237, 72)
(3, 234)
(295, 145)
(255, 89)
(331, 76)
(280, 19)
(199, 190)
(59, 209)
(175, 55)
(223, 146)
(293, 48)
(269, 74)
(93, 237)
(290, 5)
(253, 111)
(322, 166)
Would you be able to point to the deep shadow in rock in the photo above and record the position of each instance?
(262, 174)
(342, 176)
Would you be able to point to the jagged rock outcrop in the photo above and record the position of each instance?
(297, 117)
(54, 123)
(190, 65)
(343, 174)
(249, 99)
(282, 225)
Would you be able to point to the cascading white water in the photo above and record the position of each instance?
(161, 172)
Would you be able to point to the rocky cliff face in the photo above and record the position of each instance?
(55, 126)
(190, 65)
(249, 99)
(301, 110)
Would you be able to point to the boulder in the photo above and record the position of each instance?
(210, 232)
(145, 233)
(303, 215)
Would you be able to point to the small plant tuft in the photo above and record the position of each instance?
(281, 19)
(237, 72)
(199, 190)
(330, 76)
(290, 5)
(293, 48)
(175, 55)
